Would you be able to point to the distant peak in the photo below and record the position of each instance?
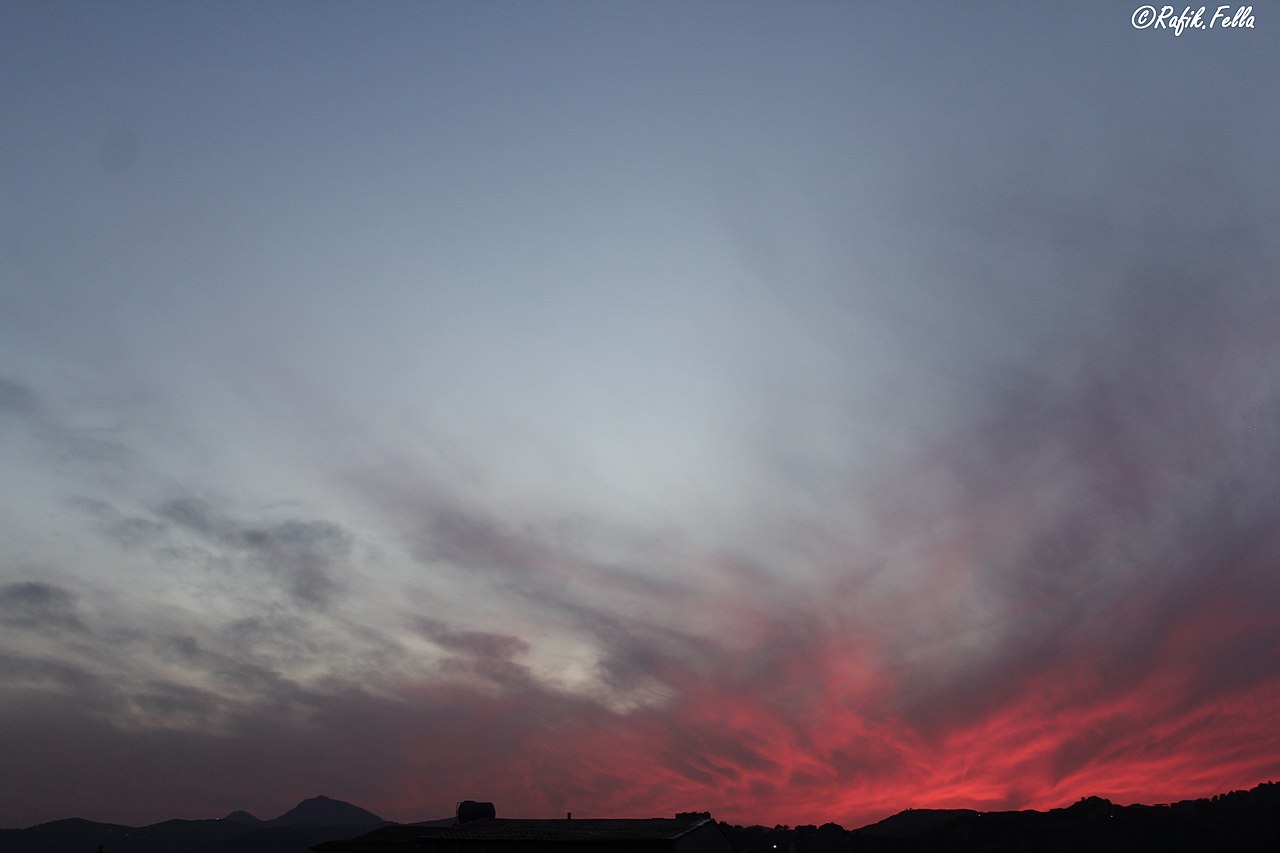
(326, 811)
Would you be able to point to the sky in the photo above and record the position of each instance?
(797, 411)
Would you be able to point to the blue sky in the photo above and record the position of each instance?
(506, 390)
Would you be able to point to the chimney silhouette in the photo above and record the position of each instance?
(469, 810)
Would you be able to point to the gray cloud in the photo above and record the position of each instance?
(90, 691)
(17, 399)
(80, 448)
(306, 556)
(38, 605)
(481, 644)
(637, 644)
(1107, 492)
(130, 532)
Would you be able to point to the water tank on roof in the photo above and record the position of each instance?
(469, 810)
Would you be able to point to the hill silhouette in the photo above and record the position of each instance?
(914, 822)
(296, 831)
(324, 811)
(1241, 821)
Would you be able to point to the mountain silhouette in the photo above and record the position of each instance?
(85, 836)
(1240, 821)
(913, 822)
(324, 811)
(296, 831)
